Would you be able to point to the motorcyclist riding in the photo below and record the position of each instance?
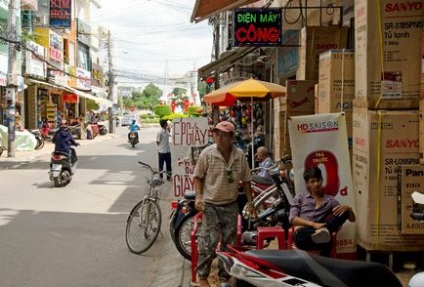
(133, 129)
(63, 141)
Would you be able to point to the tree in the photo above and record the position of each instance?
(146, 99)
(179, 92)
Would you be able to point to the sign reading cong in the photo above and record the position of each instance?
(257, 27)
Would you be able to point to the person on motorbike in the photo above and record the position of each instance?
(133, 129)
(63, 141)
(265, 161)
(316, 215)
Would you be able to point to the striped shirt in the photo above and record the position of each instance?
(221, 179)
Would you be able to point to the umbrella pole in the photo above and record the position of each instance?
(253, 139)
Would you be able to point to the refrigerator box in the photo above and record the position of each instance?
(313, 42)
(384, 141)
(388, 53)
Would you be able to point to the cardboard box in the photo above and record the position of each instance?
(383, 140)
(314, 41)
(337, 84)
(396, 40)
(421, 131)
(411, 179)
(299, 100)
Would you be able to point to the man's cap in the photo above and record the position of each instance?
(225, 127)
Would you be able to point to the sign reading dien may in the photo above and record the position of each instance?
(257, 27)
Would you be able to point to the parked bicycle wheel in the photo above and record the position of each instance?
(183, 237)
(143, 226)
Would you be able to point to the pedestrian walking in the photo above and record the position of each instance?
(218, 172)
(164, 150)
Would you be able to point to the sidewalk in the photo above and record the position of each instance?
(25, 157)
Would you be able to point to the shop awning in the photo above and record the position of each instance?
(74, 91)
(225, 61)
(204, 9)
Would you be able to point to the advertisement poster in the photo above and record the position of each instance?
(321, 140)
(189, 138)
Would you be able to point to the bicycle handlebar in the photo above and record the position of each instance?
(151, 168)
(285, 159)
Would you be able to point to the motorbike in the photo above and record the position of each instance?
(133, 138)
(62, 168)
(298, 268)
(272, 204)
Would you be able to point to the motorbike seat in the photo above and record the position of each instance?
(328, 271)
(61, 153)
(190, 195)
(262, 180)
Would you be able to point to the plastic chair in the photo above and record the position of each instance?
(265, 232)
(195, 252)
(292, 245)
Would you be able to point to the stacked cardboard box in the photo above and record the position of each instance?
(336, 84)
(299, 100)
(385, 117)
(313, 42)
(388, 51)
(384, 141)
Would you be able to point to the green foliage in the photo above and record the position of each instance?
(162, 111)
(201, 86)
(193, 111)
(179, 92)
(174, 116)
(92, 105)
(146, 99)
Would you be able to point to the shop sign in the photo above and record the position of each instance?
(320, 140)
(189, 137)
(34, 64)
(56, 48)
(70, 98)
(97, 75)
(288, 56)
(257, 27)
(83, 32)
(3, 26)
(61, 13)
(84, 79)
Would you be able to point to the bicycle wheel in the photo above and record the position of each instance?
(183, 236)
(143, 226)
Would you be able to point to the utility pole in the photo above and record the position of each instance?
(111, 81)
(215, 109)
(12, 76)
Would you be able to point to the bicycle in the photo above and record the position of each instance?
(145, 219)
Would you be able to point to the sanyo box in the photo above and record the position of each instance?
(384, 141)
(411, 179)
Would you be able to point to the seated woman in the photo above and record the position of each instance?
(315, 215)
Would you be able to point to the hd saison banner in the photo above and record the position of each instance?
(322, 140)
(189, 136)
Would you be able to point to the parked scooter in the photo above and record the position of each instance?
(39, 138)
(288, 268)
(62, 168)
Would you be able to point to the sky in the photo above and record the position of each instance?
(152, 36)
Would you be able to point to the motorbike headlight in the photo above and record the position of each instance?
(238, 270)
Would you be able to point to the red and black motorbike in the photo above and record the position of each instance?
(287, 268)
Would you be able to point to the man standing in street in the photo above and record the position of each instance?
(218, 172)
(164, 150)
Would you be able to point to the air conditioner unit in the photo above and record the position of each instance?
(42, 21)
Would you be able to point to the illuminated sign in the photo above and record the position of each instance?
(257, 27)
(61, 13)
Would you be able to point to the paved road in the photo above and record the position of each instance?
(74, 236)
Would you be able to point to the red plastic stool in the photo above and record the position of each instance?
(265, 232)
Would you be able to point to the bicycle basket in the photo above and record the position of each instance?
(155, 181)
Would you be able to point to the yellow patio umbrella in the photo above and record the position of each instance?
(245, 90)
